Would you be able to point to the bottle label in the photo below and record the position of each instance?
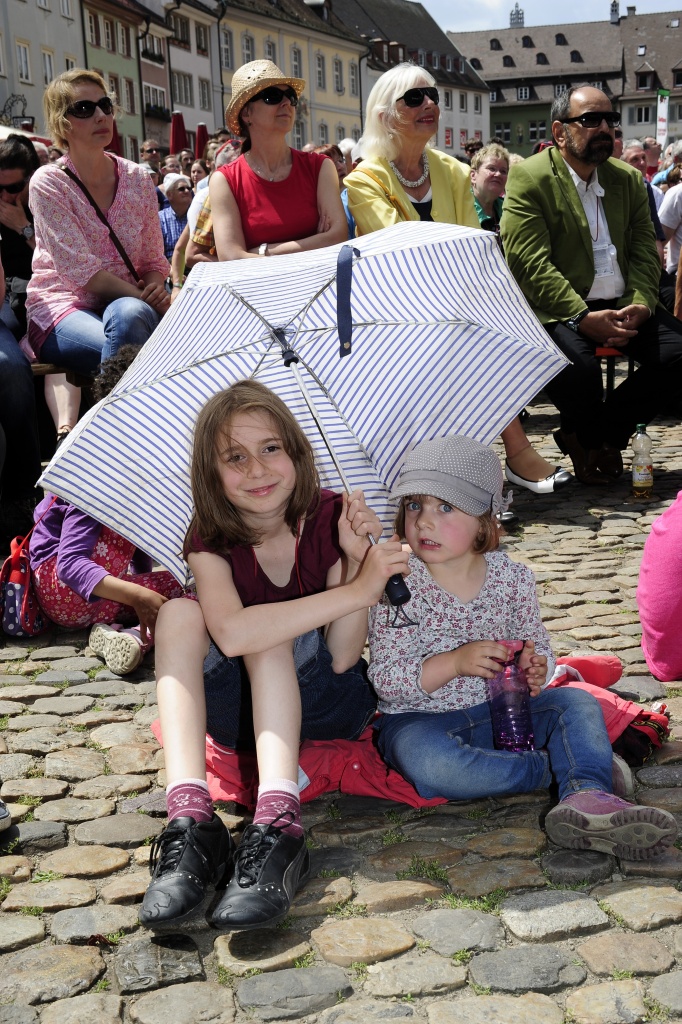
(642, 474)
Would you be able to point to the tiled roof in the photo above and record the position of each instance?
(598, 44)
(663, 43)
(296, 12)
(408, 23)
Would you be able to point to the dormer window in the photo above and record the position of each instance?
(575, 57)
(645, 80)
(495, 44)
(523, 92)
(475, 63)
(384, 52)
(641, 51)
(527, 42)
(421, 58)
(560, 39)
(449, 62)
(508, 61)
(541, 58)
(435, 59)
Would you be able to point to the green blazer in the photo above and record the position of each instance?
(547, 240)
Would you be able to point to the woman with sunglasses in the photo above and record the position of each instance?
(273, 199)
(83, 300)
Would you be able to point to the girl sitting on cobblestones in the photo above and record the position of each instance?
(430, 676)
(270, 655)
(81, 569)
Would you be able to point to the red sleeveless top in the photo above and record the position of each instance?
(276, 211)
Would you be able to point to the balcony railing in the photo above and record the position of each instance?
(158, 58)
(160, 113)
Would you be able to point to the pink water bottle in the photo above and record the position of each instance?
(510, 703)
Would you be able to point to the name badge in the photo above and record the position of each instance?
(604, 255)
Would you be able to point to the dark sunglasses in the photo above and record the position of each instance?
(183, 188)
(415, 97)
(14, 189)
(274, 95)
(593, 119)
(84, 109)
(150, 149)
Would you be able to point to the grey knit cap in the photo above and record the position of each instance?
(457, 469)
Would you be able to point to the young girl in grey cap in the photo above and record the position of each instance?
(430, 676)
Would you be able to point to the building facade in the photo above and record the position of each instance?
(399, 30)
(630, 57)
(38, 40)
(306, 41)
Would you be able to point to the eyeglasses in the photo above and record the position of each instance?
(274, 95)
(593, 119)
(415, 97)
(183, 188)
(15, 188)
(84, 109)
(150, 149)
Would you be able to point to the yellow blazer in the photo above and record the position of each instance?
(372, 208)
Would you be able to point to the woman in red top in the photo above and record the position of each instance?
(273, 199)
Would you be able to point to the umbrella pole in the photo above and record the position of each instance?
(396, 589)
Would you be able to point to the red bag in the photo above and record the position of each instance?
(20, 613)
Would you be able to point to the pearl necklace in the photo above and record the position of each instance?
(263, 174)
(412, 184)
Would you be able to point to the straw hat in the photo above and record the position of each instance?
(251, 79)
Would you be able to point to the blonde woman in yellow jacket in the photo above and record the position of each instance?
(402, 178)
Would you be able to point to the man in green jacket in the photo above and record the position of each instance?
(578, 238)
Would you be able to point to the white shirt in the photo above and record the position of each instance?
(608, 280)
(195, 209)
(670, 216)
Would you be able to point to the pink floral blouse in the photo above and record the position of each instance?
(72, 245)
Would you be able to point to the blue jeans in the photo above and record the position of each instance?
(82, 340)
(17, 419)
(451, 754)
(333, 705)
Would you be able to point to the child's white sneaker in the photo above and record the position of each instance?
(122, 649)
(5, 816)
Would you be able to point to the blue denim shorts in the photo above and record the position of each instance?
(333, 705)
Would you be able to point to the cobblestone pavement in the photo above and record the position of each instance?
(464, 915)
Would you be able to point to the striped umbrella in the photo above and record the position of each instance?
(427, 335)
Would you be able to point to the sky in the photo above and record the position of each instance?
(465, 15)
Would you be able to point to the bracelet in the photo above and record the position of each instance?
(178, 284)
(263, 249)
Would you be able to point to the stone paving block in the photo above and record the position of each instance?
(363, 940)
(449, 931)
(15, 766)
(642, 689)
(389, 897)
(640, 954)
(355, 832)
(15, 869)
(572, 867)
(60, 894)
(644, 908)
(262, 950)
(552, 916)
(86, 861)
(11, 707)
(667, 990)
(119, 734)
(667, 799)
(31, 977)
(414, 976)
(95, 1006)
(18, 1014)
(72, 811)
(54, 653)
(74, 765)
(414, 855)
(318, 895)
(366, 1012)
(611, 1002)
(201, 1002)
(22, 723)
(124, 830)
(36, 837)
(669, 753)
(293, 993)
(106, 787)
(480, 879)
(508, 842)
(497, 1010)
(542, 969)
(128, 888)
(153, 803)
(23, 691)
(660, 776)
(667, 865)
(157, 961)
(63, 705)
(51, 675)
(13, 653)
(135, 758)
(17, 931)
(45, 741)
(78, 925)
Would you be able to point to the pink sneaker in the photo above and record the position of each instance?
(594, 820)
(122, 649)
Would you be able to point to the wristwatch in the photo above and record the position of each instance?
(574, 322)
(28, 232)
(263, 249)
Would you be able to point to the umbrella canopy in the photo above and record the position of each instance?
(178, 133)
(115, 146)
(435, 338)
(200, 141)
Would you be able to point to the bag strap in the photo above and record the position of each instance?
(112, 234)
(26, 539)
(393, 199)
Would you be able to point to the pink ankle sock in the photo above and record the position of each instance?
(277, 797)
(189, 798)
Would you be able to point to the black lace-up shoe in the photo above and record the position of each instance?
(270, 865)
(187, 857)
